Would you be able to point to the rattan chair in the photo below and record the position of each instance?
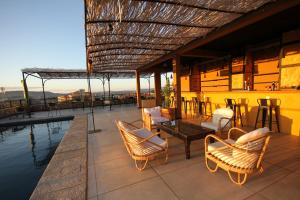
(243, 156)
(156, 115)
(141, 144)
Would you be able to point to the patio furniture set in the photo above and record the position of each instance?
(242, 157)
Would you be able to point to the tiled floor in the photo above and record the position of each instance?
(112, 174)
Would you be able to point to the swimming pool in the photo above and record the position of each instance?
(25, 152)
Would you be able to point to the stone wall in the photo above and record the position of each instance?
(66, 175)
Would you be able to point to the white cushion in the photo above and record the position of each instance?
(144, 133)
(158, 120)
(154, 112)
(222, 112)
(210, 125)
(252, 135)
(215, 145)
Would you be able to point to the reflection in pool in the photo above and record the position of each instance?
(25, 152)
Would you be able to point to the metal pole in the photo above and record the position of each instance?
(91, 101)
(43, 84)
(108, 79)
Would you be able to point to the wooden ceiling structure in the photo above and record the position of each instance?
(140, 34)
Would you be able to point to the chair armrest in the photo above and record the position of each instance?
(223, 118)
(148, 138)
(168, 113)
(237, 129)
(226, 144)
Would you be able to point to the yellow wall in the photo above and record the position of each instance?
(289, 108)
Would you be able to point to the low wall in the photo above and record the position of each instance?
(289, 108)
(66, 175)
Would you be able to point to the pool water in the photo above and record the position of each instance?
(25, 152)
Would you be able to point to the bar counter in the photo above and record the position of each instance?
(289, 107)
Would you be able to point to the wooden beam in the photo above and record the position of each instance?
(138, 89)
(204, 53)
(157, 84)
(108, 21)
(246, 20)
(131, 47)
(177, 84)
(171, 37)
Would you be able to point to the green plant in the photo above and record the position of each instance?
(166, 92)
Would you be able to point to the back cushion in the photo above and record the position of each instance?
(253, 135)
(147, 110)
(155, 112)
(222, 112)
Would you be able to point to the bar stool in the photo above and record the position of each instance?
(195, 104)
(207, 102)
(267, 106)
(236, 107)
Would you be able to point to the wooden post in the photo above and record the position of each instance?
(138, 89)
(177, 84)
(157, 83)
(230, 74)
(249, 70)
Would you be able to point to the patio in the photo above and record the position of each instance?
(112, 174)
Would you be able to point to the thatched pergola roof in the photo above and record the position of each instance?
(150, 29)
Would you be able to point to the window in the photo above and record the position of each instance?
(290, 67)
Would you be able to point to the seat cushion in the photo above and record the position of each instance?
(157, 120)
(144, 133)
(210, 125)
(216, 145)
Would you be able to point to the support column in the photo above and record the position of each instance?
(108, 80)
(249, 70)
(44, 95)
(157, 83)
(26, 95)
(177, 84)
(138, 89)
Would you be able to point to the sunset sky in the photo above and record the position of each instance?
(47, 34)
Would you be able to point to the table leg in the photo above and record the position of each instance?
(187, 144)
(270, 118)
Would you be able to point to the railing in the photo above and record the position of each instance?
(15, 107)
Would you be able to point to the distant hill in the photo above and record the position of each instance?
(16, 95)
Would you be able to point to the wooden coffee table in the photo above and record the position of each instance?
(185, 131)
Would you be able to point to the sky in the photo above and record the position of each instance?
(46, 34)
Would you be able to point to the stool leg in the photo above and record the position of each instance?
(264, 116)
(257, 116)
(240, 114)
(234, 116)
(277, 118)
(270, 118)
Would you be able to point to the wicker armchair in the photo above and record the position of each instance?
(243, 156)
(153, 116)
(141, 144)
